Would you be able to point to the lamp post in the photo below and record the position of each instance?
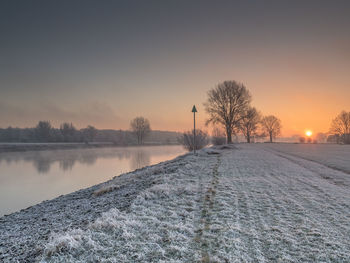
(194, 110)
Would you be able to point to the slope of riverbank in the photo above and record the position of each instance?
(24, 234)
(242, 203)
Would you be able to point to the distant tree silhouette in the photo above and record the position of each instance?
(140, 127)
(43, 131)
(187, 140)
(321, 137)
(68, 131)
(341, 126)
(10, 134)
(226, 104)
(271, 125)
(333, 138)
(218, 136)
(89, 133)
(249, 123)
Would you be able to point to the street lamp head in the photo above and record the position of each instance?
(194, 109)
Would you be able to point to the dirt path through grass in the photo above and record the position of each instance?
(207, 206)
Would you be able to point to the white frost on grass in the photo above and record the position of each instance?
(67, 241)
(161, 168)
(159, 225)
(250, 204)
(333, 155)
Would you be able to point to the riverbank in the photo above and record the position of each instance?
(28, 178)
(237, 203)
(23, 147)
(24, 234)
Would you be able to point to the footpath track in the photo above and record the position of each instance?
(208, 207)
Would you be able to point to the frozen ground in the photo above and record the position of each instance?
(249, 203)
(332, 155)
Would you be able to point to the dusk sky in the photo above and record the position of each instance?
(106, 62)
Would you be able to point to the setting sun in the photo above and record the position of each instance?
(308, 133)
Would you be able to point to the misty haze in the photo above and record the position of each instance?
(174, 131)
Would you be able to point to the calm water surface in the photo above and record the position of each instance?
(27, 178)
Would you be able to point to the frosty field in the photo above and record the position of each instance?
(243, 203)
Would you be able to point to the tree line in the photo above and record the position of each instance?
(140, 130)
(231, 113)
(229, 106)
(45, 132)
(339, 131)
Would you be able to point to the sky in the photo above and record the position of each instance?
(106, 62)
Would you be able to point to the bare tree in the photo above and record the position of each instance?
(321, 137)
(226, 104)
(68, 131)
(249, 123)
(271, 125)
(218, 136)
(43, 131)
(333, 138)
(89, 133)
(187, 140)
(141, 127)
(341, 126)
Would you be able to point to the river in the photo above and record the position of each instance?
(27, 178)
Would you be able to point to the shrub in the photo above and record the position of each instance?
(218, 137)
(187, 140)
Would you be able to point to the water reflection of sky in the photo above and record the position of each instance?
(42, 160)
(27, 178)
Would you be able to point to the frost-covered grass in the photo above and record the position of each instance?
(333, 155)
(159, 226)
(246, 203)
(256, 203)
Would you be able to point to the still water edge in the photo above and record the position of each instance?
(27, 178)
